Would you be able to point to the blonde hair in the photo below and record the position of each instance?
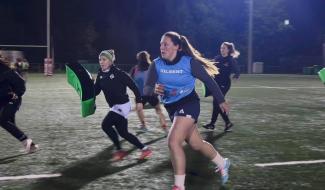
(188, 49)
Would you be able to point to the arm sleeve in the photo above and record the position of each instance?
(131, 73)
(17, 83)
(151, 80)
(97, 86)
(128, 81)
(200, 73)
(235, 68)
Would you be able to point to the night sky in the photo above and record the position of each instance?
(112, 24)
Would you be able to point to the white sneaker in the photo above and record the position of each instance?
(29, 146)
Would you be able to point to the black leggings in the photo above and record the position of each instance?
(216, 109)
(121, 125)
(7, 120)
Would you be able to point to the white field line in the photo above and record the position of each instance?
(290, 163)
(281, 87)
(6, 178)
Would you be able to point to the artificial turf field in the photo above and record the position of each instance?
(278, 118)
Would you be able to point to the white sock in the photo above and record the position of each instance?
(145, 148)
(180, 181)
(218, 160)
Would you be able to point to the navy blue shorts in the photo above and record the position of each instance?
(189, 109)
(152, 100)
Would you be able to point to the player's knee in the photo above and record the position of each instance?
(174, 143)
(124, 134)
(158, 111)
(103, 124)
(106, 124)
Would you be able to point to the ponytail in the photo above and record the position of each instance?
(188, 49)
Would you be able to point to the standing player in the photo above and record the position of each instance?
(139, 74)
(227, 65)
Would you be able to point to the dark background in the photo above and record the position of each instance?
(80, 29)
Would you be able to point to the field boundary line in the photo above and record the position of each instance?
(32, 176)
(290, 163)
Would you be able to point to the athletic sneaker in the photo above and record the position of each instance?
(228, 127)
(225, 171)
(33, 148)
(209, 126)
(143, 128)
(119, 155)
(145, 154)
(29, 146)
(176, 188)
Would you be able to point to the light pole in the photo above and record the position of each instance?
(48, 22)
(48, 61)
(250, 37)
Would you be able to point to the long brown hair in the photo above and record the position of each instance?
(143, 58)
(187, 48)
(232, 50)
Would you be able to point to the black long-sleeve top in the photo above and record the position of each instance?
(227, 66)
(10, 82)
(113, 84)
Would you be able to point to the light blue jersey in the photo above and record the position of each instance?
(176, 78)
(139, 77)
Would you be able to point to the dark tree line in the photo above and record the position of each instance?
(80, 28)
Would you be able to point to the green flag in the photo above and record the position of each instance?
(80, 79)
(321, 74)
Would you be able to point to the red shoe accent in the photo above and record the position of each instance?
(176, 188)
(165, 128)
(119, 155)
(145, 154)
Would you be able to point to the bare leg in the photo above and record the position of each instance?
(197, 143)
(162, 118)
(141, 117)
(181, 127)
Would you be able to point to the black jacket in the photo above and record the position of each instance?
(227, 66)
(113, 83)
(10, 82)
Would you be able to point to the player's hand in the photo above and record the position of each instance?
(159, 89)
(224, 107)
(139, 106)
(13, 96)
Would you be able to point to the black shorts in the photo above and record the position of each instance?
(189, 109)
(152, 100)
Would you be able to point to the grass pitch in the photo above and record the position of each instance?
(278, 118)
